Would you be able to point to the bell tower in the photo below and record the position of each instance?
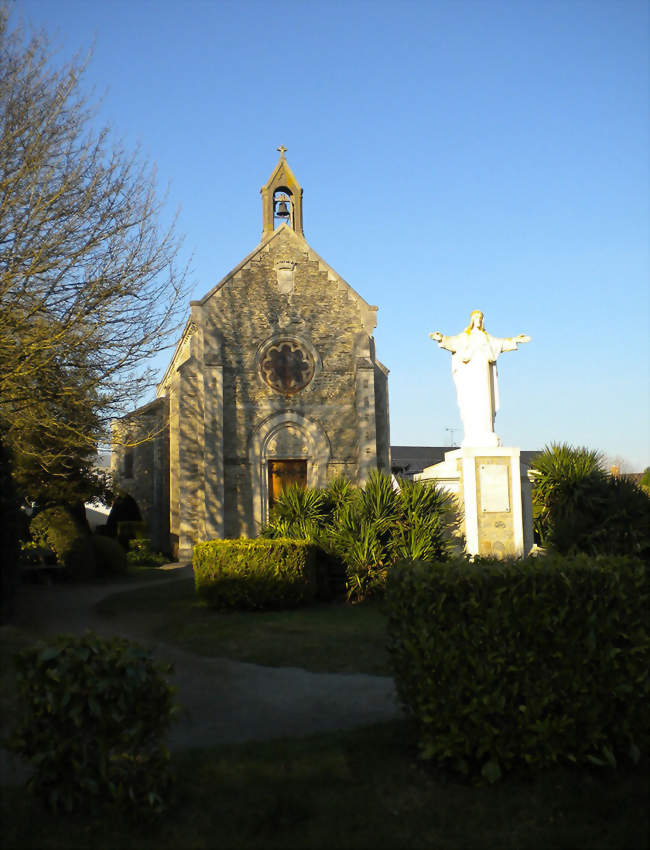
(281, 199)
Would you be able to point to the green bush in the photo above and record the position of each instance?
(382, 526)
(110, 558)
(80, 562)
(128, 530)
(369, 528)
(299, 513)
(256, 574)
(579, 507)
(93, 716)
(33, 555)
(504, 664)
(56, 529)
(645, 479)
(140, 554)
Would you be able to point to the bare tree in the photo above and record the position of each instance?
(89, 285)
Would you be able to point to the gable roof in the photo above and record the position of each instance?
(368, 311)
(282, 173)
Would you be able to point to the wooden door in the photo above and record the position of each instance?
(282, 473)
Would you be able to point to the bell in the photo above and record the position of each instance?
(282, 211)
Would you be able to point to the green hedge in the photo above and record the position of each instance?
(92, 720)
(128, 530)
(256, 574)
(141, 555)
(523, 663)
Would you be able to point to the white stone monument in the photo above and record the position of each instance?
(486, 477)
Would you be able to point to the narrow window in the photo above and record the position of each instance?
(128, 462)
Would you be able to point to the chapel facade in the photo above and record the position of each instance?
(273, 381)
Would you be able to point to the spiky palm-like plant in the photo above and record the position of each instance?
(378, 498)
(426, 512)
(367, 528)
(298, 512)
(384, 525)
(569, 491)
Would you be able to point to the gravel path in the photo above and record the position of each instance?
(221, 701)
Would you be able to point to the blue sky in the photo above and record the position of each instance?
(454, 155)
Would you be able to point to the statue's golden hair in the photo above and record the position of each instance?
(471, 316)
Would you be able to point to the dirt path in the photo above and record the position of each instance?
(221, 701)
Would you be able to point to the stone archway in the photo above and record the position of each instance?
(286, 436)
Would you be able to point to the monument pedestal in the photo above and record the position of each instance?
(494, 495)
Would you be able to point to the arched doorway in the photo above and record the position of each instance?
(286, 448)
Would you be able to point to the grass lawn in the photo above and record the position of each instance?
(359, 789)
(332, 638)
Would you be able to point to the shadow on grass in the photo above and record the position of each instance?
(332, 638)
(360, 789)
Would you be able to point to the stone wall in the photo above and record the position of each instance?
(282, 292)
(140, 466)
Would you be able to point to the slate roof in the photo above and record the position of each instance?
(411, 459)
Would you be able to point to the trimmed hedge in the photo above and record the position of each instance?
(94, 714)
(256, 574)
(140, 554)
(128, 530)
(531, 663)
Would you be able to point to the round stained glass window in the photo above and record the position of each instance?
(287, 366)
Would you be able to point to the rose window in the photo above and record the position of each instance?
(287, 366)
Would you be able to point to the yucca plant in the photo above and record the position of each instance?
(419, 539)
(384, 524)
(569, 491)
(339, 492)
(368, 528)
(426, 513)
(299, 513)
(361, 544)
(378, 498)
(360, 532)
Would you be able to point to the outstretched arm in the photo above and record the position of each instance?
(436, 335)
(508, 343)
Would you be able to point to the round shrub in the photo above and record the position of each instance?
(110, 558)
(79, 562)
(56, 529)
(93, 716)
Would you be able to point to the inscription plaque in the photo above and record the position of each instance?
(493, 487)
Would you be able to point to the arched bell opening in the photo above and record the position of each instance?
(283, 211)
(281, 199)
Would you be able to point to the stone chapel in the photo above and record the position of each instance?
(274, 380)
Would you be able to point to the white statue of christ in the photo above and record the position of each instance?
(474, 369)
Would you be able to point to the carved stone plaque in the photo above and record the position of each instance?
(285, 270)
(493, 487)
